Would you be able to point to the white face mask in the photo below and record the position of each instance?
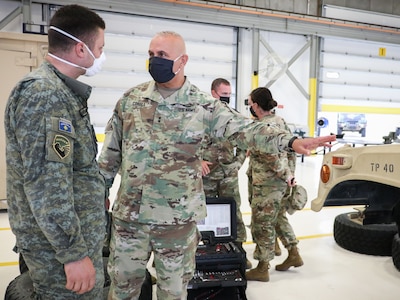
(97, 62)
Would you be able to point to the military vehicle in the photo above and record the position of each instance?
(366, 178)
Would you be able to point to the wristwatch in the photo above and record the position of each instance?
(291, 143)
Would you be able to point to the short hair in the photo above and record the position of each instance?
(263, 97)
(76, 20)
(167, 33)
(217, 82)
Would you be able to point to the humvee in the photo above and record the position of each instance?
(368, 178)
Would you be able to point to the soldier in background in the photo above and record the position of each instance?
(55, 191)
(221, 164)
(271, 178)
(154, 139)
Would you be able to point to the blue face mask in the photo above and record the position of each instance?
(161, 68)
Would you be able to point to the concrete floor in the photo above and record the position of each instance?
(329, 272)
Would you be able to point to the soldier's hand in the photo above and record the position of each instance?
(304, 146)
(291, 182)
(205, 169)
(81, 275)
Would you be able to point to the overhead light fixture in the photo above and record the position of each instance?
(332, 75)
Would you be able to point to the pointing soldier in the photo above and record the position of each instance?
(154, 139)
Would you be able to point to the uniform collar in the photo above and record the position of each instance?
(81, 89)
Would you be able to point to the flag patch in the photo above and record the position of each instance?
(64, 125)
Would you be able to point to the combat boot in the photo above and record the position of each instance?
(277, 251)
(260, 273)
(248, 264)
(293, 260)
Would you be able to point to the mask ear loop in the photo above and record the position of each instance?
(180, 67)
(73, 38)
(66, 34)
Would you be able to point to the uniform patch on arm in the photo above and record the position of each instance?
(64, 125)
(60, 140)
(62, 146)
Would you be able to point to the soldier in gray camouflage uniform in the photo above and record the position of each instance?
(271, 177)
(222, 162)
(55, 191)
(154, 139)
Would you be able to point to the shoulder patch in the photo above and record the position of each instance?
(64, 125)
(62, 146)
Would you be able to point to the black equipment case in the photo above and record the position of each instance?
(220, 262)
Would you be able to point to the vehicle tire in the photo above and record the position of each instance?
(21, 287)
(396, 215)
(396, 251)
(372, 239)
(363, 132)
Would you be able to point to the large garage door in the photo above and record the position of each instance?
(360, 77)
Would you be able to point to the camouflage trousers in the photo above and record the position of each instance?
(132, 243)
(48, 276)
(227, 187)
(284, 231)
(268, 218)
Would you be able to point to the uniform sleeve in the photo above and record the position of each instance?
(245, 134)
(292, 156)
(111, 153)
(47, 161)
(240, 156)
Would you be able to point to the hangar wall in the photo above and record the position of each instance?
(234, 57)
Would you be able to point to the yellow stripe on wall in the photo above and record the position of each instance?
(9, 263)
(360, 109)
(254, 81)
(312, 106)
(100, 137)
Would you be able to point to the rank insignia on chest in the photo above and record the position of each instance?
(61, 146)
(64, 125)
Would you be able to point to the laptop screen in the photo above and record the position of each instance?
(221, 218)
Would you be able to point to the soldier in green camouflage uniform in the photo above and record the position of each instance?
(270, 180)
(55, 191)
(226, 160)
(284, 231)
(154, 139)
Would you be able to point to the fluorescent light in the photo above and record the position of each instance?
(332, 75)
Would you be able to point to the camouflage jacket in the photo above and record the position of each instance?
(271, 169)
(156, 145)
(226, 159)
(55, 191)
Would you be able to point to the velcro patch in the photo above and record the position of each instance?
(64, 125)
(61, 146)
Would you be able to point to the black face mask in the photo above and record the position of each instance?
(253, 113)
(161, 69)
(224, 99)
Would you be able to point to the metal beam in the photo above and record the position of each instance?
(244, 17)
(11, 16)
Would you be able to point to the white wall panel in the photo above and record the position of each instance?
(361, 73)
(367, 81)
(357, 15)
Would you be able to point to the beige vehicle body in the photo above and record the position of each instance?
(367, 176)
